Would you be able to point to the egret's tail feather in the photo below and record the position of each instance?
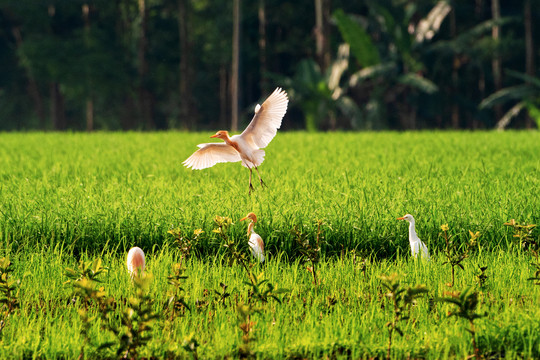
(258, 156)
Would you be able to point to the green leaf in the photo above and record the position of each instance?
(534, 112)
(524, 77)
(281, 291)
(418, 82)
(518, 92)
(106, 345)
(361, 45)
(385, 19)
(449, 300)
(418, 289)
(467, 41)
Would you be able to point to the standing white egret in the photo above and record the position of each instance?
(246, 147)
(256, 243)
(135, 261)
(416, 244)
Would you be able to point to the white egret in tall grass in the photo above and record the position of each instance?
(417, 245)
(135, 261)
(246, 147)
(256, 243)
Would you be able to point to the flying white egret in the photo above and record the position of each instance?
(416, 244)
(256, 243)
(135, 261)
(246, 147)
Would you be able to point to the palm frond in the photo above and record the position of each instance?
(509, 93)
(510, 114)
(371, 72)
(430, 25)
(418, 82)
(533, 80)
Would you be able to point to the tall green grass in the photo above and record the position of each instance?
(343, 317)
(88, 190)
(71, 197)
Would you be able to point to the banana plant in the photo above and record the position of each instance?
(392, 71)
(524, 96)
(322, 96)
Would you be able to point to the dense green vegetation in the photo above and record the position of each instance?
(344, 316)
(71, 197)
(119, 189)
(163, 64)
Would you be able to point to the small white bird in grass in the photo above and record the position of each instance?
(416, 244)
(135, 261)
(256, 243)
(246, 147)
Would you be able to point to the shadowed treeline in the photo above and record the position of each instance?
(195, 64)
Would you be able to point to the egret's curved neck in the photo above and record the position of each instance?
(229, 142)
(226, 138)
(250, 228)
(412, 231)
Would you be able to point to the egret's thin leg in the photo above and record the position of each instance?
(260, 178)
(250, 185)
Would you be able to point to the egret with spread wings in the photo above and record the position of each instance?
(246, 147)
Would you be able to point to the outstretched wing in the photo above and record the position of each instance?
(263, 127)
(210, 154)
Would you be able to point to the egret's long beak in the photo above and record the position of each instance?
(214, 136)
(401, 218)
(242, 219)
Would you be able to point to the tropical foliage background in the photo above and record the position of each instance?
(197, 64)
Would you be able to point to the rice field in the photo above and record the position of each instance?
(67, 198)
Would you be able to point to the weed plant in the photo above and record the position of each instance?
(456, 252)
(402, 298)
(530, 243)
(467, 303)
(9, 292)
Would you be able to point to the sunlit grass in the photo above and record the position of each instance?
(120, 189)
(346, 312)
(71, 197)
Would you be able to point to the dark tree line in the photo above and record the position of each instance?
(195, 64)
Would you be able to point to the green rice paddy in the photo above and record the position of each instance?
(71, 197)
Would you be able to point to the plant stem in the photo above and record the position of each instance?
(388, 351)
(393, 325)
(314, 272)
(473, 334)
(247, 270)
